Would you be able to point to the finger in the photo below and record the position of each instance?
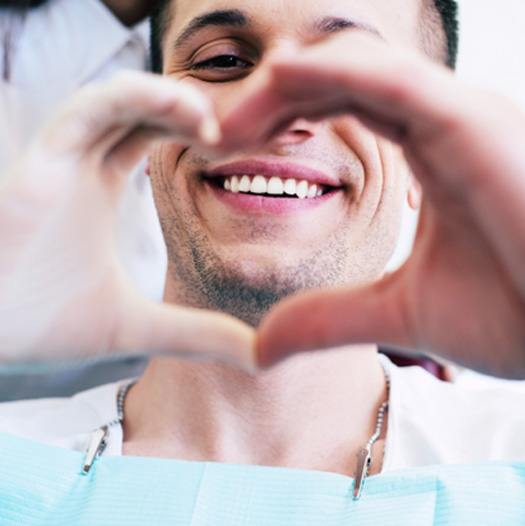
(103, 115)
(389, 82)
(264, 115)
(356, 74)
(193, 333)
(259, 109)
(332, 318)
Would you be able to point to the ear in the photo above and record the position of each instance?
(414, 193)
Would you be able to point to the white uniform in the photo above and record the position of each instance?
(430, 422)
(54, 50)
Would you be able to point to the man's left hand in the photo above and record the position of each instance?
(461, 295)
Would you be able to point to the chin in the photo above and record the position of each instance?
(270, 270)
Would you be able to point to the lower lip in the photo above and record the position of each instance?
(268, 205)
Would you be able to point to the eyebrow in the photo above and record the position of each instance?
(231, 17)
(333, 24)
(236, 18)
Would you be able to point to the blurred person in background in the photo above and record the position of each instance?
(48, 50)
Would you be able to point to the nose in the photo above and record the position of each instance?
(300, 131)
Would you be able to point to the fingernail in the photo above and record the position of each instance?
(244, 362)
(251, 369)
(248, 362)
(209, 131)
(265, 360)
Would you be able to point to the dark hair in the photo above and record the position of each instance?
(447, 10)
(159, 22)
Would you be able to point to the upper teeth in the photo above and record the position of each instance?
(258, 184)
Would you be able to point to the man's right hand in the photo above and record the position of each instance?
(63, 292)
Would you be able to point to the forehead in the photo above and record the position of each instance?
(396, 20)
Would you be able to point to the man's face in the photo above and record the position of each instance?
(332, 192)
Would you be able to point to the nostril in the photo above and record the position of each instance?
(297, 132)
(302, 134)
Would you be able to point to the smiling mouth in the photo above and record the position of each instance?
(271, 187)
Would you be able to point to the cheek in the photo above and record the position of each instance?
(396, 179)
(163, 167)
(390, 212)
(386, 172)
(384, 190)
(374, 159)
(223, 95)
(164, 161)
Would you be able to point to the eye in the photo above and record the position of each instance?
(222, 62)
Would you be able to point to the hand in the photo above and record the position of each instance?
(63, 292)
(461, 295)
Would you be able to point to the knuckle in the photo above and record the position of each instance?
(398, 92)
(403, 83)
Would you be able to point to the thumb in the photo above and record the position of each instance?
(332, 318)
(187, 332)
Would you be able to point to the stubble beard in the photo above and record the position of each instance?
(202, 277)
(205, 280)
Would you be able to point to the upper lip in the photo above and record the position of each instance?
(284, 170)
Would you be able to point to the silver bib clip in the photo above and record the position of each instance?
(96, 447)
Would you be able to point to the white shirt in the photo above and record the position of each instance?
(430, 422)
(56, 49)
(474, 380)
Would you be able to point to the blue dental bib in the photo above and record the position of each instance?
(41, 485)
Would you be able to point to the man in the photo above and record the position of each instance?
(297, 194)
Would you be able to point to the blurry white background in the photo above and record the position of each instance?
(492, 51)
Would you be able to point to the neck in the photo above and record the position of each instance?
(314, 411)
